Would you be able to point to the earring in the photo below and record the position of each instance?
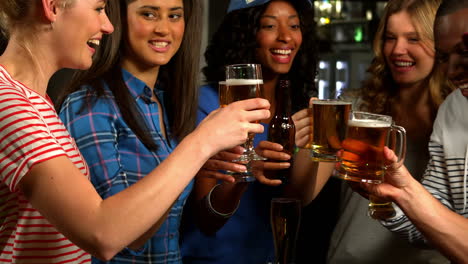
(51, 25)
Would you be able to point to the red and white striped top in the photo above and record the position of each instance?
(30, 132)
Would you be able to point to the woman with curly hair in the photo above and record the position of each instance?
(232, 219)
(406, 84)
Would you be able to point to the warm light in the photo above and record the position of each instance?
(369, 15)
(324, 6)
(338, 6)
(324, 20)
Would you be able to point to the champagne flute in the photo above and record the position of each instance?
(285, 217)
(243, 81)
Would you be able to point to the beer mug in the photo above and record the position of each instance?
(362, 158)
(329, 118)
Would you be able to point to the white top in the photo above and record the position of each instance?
(446, 174)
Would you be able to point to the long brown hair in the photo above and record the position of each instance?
(179, 77)
(380, 91)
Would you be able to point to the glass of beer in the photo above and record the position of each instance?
(367, 134)
(329, 121)
(243, 81)
(310, 116)
(285, 217)
(362, 158)
(222, 91)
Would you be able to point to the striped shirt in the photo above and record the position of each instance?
(117, 158)
(30, 133)
(446, 174)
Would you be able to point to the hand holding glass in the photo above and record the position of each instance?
(243, 81)
(362, 158)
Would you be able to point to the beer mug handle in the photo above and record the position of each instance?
(401, 143)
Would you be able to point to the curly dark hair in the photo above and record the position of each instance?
(235, 42)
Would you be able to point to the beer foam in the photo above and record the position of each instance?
(244, 81)
(330, 102)
(368, 123)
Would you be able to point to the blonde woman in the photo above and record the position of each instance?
(404, 84)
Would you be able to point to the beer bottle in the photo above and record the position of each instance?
(281, 129)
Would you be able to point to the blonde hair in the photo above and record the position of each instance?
(380, 91)
(21, 13)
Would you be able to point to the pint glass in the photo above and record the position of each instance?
(222, 91)
(330, 118)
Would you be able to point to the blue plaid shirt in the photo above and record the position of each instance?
(118, 159)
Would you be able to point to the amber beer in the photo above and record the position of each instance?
(362, 159)
(285, 215)
(330, 118)
(222, 90)
(237, 90)
(241, 89)
(310, 116)
(378, 208)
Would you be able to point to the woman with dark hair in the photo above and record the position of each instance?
(133, 117)
(238, 38)
(232, 219)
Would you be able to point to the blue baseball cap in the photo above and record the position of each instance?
(239, 4)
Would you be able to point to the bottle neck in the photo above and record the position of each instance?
(283, 98)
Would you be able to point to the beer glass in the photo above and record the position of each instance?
(310, 115)
(329, 118)
(222, 91)
(243, 81)
(285, 217)
(362, 158)
(367, 134)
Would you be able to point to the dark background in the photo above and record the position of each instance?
(340, 44)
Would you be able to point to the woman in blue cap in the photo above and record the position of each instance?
(234, 226)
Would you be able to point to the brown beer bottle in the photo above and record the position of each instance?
(281, 129)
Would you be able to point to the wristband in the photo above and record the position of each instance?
(212, 210)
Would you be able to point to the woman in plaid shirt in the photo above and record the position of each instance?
(132, 116)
